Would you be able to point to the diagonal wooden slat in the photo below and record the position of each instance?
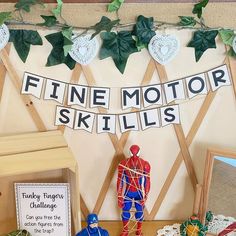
(119, 155)
(3, 71)
(180, 135)
(91, 82)
(25, 98)
(206, 187)
(84, 208)
(186, 155)
(231, 62)
(165, 187)
(74, 79)
(118, 144)
(2, 79)
(197, 199)
(193, 131)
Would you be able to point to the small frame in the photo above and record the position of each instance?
(43, 208)
(214, 156)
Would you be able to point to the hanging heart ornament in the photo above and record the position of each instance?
(84, 49)
(234, 44)
(4, 36)
(163, 48)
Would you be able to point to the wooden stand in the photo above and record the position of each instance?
(150, 228)
(36, 157)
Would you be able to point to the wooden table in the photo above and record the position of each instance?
(149, 227)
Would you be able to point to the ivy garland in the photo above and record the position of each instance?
(118, 44)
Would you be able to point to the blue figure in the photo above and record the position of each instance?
(92, 229)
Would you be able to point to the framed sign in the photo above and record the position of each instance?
(43, 209)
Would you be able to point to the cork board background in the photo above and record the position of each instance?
(218, 128)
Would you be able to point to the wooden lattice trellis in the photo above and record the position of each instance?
(119, 144)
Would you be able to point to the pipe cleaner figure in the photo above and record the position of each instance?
(193, 227)
(92, 229)
(133, 185)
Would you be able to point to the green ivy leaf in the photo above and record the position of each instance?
(115, 5)
(22, 39)
(104, 24)
(57, 56)
(4, 16)
(139, 45)
(26, 4)
(201, 41)
(187, 21)
(57, 11)
(143, 30)
(118, 46)
(231, 52)
(198, 8)
(67, 34)
(19, 233)
(49, 21)
(227, 36)
(209, 217)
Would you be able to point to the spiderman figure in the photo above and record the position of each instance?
(133, 185)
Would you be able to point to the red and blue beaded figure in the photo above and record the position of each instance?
(133, 185)
(92, 229)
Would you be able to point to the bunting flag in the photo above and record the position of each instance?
(106, 123)
(54, 90)
(152, 95)
(196, 85)
(159, 95)
(77, 95)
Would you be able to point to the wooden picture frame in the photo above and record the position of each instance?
(209, 162)
(37, 157)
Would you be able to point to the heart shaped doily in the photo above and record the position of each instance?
(169, 230)
(163, 48)
(4, 36)
(84, 49)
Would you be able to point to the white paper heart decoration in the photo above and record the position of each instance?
(84, 50)
(163, 48)
(4, 36)
(234, 44)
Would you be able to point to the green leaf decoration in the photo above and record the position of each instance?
(118, 46)
(22, 39)
(67, 34)
(198, 8)
(105, 24)
(19, 233)
(139, 45)
(187, 21)
(57, 56)
(209, 217)
(57, 11)
(232, 53)
(227, 36)
(195, 224)
(201, 41)
(143, 30)
(4, 16)
(26, 4)
(49, 21)
(115, 5)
